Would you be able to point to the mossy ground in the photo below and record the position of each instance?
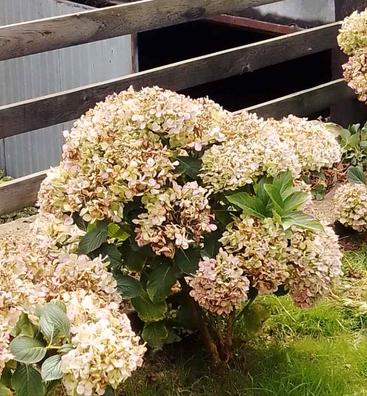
(321, 351)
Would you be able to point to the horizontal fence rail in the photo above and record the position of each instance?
(29, 115)
(64, 31)
(22, 192)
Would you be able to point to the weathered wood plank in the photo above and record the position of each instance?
(305, 102)
(64, 31)
(22, 192)
(64, 106)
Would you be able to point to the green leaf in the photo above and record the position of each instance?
(295, 200)
(117, 232)
(189, 166)
(301, 220)
(187, 260)
(54, 322)
(51, 369)
(65, 348)
(92, 240)
(160, 281)
(6, 376)
(283, 182)
(128, 286)
(80, 223)
(274, 194)
(27, 381)
(135, 259)
(27, 349)
(149, 311)
(112, 253)
(251, 206)
(211, 245)
(24, 327)
(355, 175)
(4, 391)
(155, 334)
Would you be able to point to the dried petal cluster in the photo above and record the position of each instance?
(124, 148)
(106, 350)
(302, 261)
(32, 274)
(220, 285)
(353, 33)
(175, 218)
(257, 147)
(240, 160)
(352, 40)
(313, 153)
(350, 202)
(355, 73)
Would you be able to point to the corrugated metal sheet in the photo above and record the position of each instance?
(307, 11)
(54, 71)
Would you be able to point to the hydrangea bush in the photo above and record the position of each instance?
(352, 40)
(170, 210)
(350, 200)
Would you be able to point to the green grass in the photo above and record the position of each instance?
(281, 350)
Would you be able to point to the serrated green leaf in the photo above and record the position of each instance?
(155, 334)
(51, 369)
(211, 245)
(27, 381)
(5, 391)
(356, 175)
(187, 260)
(54, 322)
(92, 240)
(295, 200)
(275, 197)
(149, 311)
(128, 286)
(65, 348)
(251, 206)
(117, 232)
(302, 220)
(24, 327)
(27, 350)
(160, 281)
(189, 166)
(112, 253)
(79, 222)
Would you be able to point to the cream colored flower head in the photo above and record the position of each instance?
(353, 33)
(350, 202)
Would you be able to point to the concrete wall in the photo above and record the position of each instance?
(50, 72)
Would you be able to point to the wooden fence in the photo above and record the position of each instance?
(59, 32)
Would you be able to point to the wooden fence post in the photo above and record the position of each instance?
(347, 111)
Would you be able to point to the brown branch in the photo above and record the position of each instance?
(209, 344)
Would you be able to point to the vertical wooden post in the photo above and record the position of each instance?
(348, 111)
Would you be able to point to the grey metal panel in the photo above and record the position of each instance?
(307, 11)
(54, 71)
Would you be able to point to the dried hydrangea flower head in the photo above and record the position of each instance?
(355, 73)
(219, 285)
(313, 154)
(262, 247)
(175, 219)
(148, 127)
(254, 150)
(353, 33)
(106, 350)
(350, 202)
(314, 264)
